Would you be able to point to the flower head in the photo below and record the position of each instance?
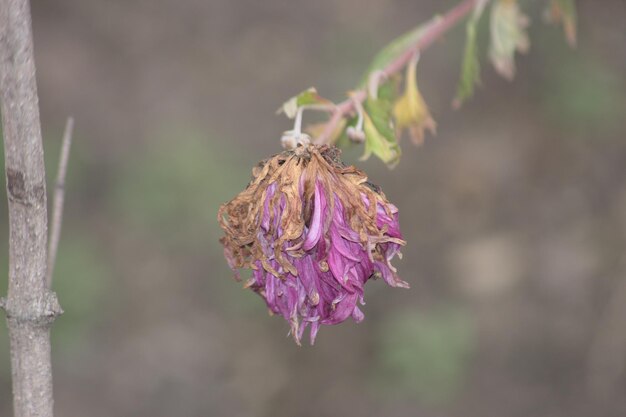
(313, 231)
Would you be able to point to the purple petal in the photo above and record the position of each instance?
(343, 309)
(342, 246)
(357, 314)
(315, 326)
(389, 276)
(315, 228)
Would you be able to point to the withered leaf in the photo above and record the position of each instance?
(508, 35)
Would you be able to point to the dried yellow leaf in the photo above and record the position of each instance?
(410, 110)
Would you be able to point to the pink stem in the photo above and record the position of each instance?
(434, 32)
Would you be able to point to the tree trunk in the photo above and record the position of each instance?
(30, 306)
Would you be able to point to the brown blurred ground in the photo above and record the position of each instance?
(515, 217)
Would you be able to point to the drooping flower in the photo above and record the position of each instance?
(411, 111)
(313, 231)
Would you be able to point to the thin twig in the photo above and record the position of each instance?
(58, 199)
(434, 32)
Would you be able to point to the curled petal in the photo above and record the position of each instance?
(389, 276)
(315, 230)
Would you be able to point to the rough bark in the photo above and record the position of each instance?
(30, 306)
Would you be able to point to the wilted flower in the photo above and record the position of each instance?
(410, 110)
(313, 231)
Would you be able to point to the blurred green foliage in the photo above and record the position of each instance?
(130, 200)
(424, 354)
(583, 96)
(81, 280)
(174, 189)
(169, 196)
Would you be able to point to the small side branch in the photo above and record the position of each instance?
(58, 200)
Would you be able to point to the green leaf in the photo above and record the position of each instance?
(389, 90)
(380, 138)
(508, 35)
(379, 111)
(377, 144)
(397, 47)
(564, 11)
(470, 68)
(307, 97)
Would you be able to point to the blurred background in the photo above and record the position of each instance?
(515, 216)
